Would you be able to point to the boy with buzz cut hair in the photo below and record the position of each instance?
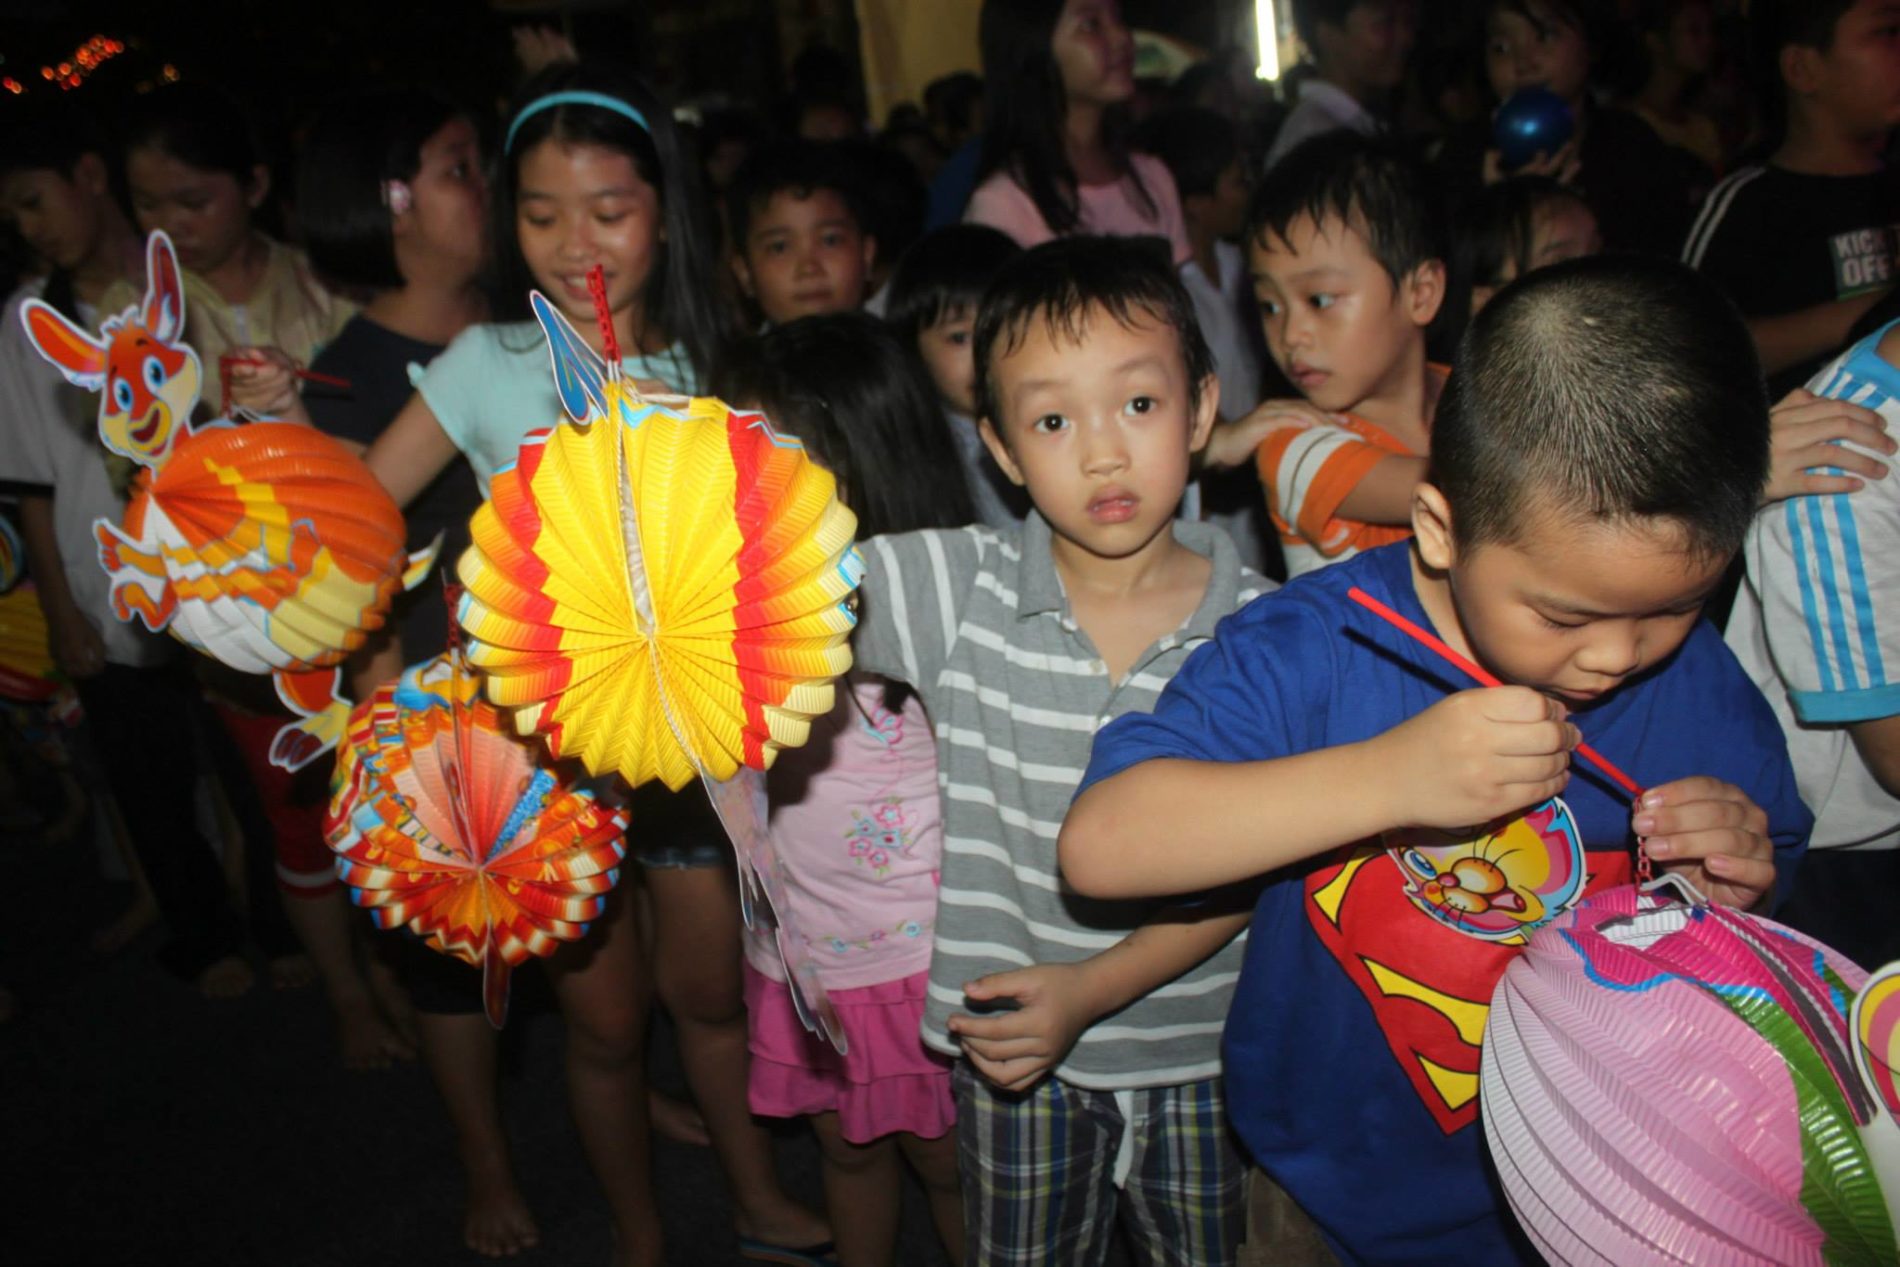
(1805, 243)
(1088, 1080)
(1358, 49)
(1595, 466)
(800, 242)
(1345, 243)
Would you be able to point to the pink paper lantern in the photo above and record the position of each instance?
(1670, 1082)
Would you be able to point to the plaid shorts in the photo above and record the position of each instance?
(1048, 1173)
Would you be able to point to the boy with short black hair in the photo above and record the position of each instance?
(1358, 49)
(1806, 242)
(1319, 746)
(1094, 390)
(798, 225)
(1345, 242)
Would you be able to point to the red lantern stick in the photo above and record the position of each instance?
(609, 342)
(1432, 640)
(230, 359)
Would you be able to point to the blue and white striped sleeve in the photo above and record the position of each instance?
(1828, 573)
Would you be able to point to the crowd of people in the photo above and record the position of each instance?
(1102, 852)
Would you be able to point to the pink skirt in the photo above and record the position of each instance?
(889, 1082)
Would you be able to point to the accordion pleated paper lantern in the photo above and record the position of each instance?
(661, 592)
(27, 672)
(266, 545)
(1671, 1082)
(444, 820)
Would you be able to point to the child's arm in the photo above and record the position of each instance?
(77, 647)
(1878, 743)
(1793, 337)
(1016, 1049)
(1318, 475)
(1472, 757)
(411, 451)
(1383, 494)
(1234, 441)
(1804, 431)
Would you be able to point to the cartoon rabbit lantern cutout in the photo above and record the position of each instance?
(268, 545)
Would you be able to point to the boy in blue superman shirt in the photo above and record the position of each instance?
(1595, 465)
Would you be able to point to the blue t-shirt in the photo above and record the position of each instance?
(1351, 1049)
(495, 384)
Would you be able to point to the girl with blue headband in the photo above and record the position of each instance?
(593, 173)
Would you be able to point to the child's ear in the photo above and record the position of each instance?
(1206, 413)
(1424, 291)
(999, 451)
(260, 187)
(1432, 527)
(742, 272)
(1799, 69)
(870, 254)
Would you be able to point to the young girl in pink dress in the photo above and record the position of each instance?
(855, 811)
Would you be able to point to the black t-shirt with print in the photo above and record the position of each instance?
(1779, 241)
(375, 361)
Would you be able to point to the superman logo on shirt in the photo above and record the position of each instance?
(1388, 912)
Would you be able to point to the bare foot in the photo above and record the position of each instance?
(676, 1119)
(292, 972)
(227, 978)
(785, 1222)
(135, 919)
(498, 1223)
(367, 1040)
(393, 1002)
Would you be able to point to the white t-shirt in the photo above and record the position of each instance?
(1818, 623)
(49, 435)
(1322, 107)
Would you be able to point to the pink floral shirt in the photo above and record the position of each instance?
(855, 815)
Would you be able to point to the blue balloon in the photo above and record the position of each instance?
(1532, 121)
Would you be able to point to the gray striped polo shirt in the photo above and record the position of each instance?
(975, 619)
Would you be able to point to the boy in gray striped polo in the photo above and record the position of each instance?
(1087, 1032)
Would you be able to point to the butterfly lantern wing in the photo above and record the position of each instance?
(663, 592)
(445, 821)
(1672, 1082)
